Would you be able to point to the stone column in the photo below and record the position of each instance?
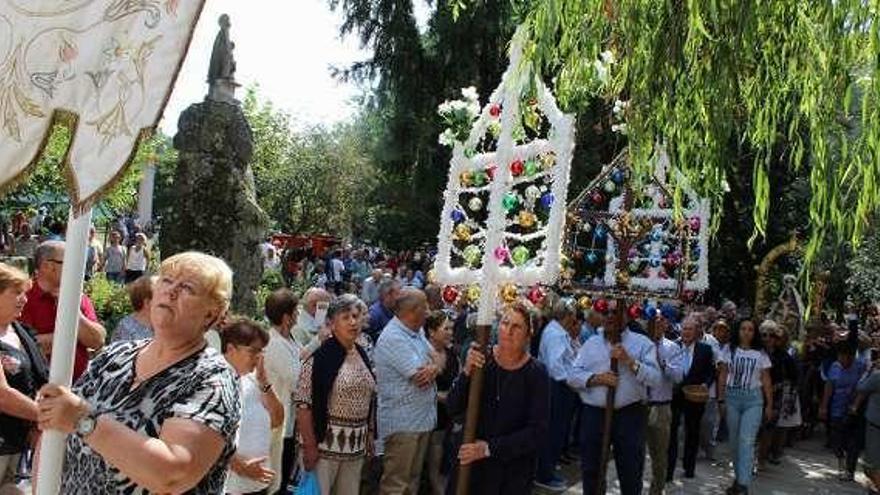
(145, 193)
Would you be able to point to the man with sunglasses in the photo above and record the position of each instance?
(42, 305)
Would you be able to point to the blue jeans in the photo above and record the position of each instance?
(745, 409)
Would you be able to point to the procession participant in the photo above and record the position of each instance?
(334, 402)
(156, 415)
(305, 332)
(283, 369)
(660, 401)
(744, 382)
(558, 348)
(136, 325)
(513, 409)
(42, 305)
(382, 310)
(698, 369)
(591, 376)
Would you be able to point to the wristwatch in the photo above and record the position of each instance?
(87, 422)
(265, 388)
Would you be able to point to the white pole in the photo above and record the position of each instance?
(53, 443)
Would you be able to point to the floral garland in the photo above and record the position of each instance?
(501, 226)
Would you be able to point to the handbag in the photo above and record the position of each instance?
(308, 484)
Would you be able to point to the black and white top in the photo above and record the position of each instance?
(201, 388)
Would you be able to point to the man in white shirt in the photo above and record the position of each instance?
(370, 290)
(282, 362)
(660, 401)
(337, 269)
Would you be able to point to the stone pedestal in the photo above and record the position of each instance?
(215, 210)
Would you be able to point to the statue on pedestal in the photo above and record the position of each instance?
(221, 72)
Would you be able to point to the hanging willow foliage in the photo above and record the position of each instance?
(780, 83)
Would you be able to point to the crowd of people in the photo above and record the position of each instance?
(363, 383)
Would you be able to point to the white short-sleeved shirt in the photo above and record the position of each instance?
(254, 436)
(744, 367)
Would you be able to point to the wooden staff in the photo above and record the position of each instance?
(475, 395)
(613, 338)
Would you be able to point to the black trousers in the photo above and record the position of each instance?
(288, 458)
(693, 414)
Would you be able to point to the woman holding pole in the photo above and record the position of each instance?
(514, 409)
(158, 415)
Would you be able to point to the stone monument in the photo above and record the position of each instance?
(215, 209)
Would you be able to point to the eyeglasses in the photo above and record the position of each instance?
(255, 351)
(60, 262)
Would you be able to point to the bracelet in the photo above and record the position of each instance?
(265, 388)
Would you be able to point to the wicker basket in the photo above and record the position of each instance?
(696, 393)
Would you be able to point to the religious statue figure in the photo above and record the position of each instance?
(221, 72)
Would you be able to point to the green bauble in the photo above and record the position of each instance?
(520, 255)
(472, 255)
(510, 201)
(531, 167)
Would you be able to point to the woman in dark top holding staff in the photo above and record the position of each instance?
(23, 372)
(513, 413)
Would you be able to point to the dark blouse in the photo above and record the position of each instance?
(514, 413)
(444, 384)
(26, 371)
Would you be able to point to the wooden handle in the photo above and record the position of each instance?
(475, 393)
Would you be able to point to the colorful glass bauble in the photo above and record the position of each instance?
(618, 176)
(517, 168)
(472, 255)
(634, 312)
(633, 268)
(527, 219)
(535, 295)
(462, 232)
(650, 311)
(466, 178)
(520, 255)
(531, 168)
(473, 294)
(695, 252)
(673, 260)
(600, 231)
(656, 235)
(548, 160)
(501, 254)
(510, 201)
(450, 294)
(547, 200)
(475, 204)
(694, 223)
(655, 261)
(490, 171)
(479, 178)
(533, 192)
(495, 110)
(600, 305)
(586, 227)
(457, 216)
(592, 258)
(597, 197)
(509, 293)
(585, 303)
(664, 249)
(609, 187)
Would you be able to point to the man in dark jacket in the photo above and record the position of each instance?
(698, 366)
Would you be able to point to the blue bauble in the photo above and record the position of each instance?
(656, 236)
(664, 249)
(618, 176)
(696, 251)
(655, 261)
(650, 311)
(547, 200)
(599, 232)
(457, 216)
(592, 258)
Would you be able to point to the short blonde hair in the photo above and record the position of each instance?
(11, 276)
(211, 271)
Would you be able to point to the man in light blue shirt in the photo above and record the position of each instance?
(591, 376)
(558, 348)
(405, 376)
(659, 401)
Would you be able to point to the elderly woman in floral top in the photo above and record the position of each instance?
(334, 403)
(136, 326)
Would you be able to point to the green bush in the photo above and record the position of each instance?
(110, 299)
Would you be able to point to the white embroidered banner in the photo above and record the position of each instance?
(105, 68)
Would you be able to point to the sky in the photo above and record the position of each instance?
(287, 47)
